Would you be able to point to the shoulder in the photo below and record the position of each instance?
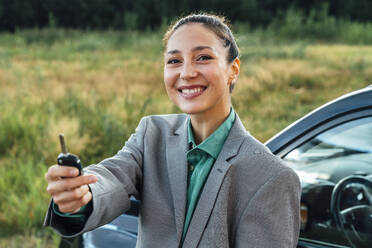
(169, 122)
(260, 161)
(264, 170)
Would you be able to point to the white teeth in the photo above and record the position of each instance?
(191, 91)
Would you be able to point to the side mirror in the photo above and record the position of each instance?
(351, 209)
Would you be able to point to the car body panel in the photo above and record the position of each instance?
(122, 232)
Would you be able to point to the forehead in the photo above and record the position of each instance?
(193, 35)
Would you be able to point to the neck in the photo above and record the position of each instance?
(204, 124)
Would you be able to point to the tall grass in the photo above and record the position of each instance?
(95, 87)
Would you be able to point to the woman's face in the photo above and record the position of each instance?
(196, 73)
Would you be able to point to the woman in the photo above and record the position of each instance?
(203, 181)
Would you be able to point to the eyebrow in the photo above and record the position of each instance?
(198, 48)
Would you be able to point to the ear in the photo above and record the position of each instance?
(234, 70)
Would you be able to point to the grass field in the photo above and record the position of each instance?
(95, 87)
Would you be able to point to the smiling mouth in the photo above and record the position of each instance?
(191, 92)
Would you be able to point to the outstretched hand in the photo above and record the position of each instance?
(68, 190)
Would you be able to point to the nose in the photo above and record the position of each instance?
(188, 71)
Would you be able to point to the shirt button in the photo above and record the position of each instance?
(191, 167)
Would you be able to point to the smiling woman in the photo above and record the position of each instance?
(202, 180)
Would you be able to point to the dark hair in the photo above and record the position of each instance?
(217, 24)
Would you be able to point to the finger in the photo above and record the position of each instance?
(87, 198)
(75, 211)
(56, 171)
(67, 184)
(72, 195)
(70, 207)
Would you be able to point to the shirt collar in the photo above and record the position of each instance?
(214, 143)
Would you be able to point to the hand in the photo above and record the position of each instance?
(68, 190)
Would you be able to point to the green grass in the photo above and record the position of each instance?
(95, 87)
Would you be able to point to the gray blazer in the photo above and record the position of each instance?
(250, 198)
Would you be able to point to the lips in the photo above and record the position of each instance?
(191, 91)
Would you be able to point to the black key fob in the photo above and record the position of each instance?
(68, 159)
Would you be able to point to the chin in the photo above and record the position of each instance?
(191, 110)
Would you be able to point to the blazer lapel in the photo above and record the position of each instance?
(212, 186)
(176, 150)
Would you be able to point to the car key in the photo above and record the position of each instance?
(68, 159)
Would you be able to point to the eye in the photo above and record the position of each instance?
(204, 58)
(173, 61)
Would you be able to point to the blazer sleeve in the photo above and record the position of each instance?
(272, 216)
(119, 177)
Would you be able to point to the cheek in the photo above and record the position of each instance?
(170, 78)
(216, 75)
(169, 81)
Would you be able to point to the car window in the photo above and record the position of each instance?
(321, 163)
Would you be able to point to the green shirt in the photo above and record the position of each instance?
(200, 159)
(78, 217)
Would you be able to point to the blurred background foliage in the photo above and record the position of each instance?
(149, 14)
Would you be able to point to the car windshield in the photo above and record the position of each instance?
(335, 153)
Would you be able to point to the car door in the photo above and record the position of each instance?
(331, 151)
